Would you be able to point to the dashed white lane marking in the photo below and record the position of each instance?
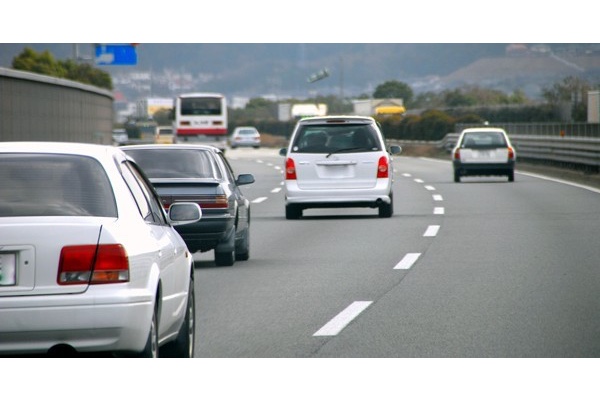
(340, 321)
(431, 231)
(282, 183)
(269, 164)
(406, 175)
(429, 187)
(438, 197)
(276, 190)
(408, 261)
(439, 210)
(259, 200)
(277, 167)
(260, 161)
(419, 180)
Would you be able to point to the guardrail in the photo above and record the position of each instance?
(563, 151)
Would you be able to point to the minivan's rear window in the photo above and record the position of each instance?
(328, 138)
(54, 185)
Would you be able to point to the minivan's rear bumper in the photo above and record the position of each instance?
(317, 198)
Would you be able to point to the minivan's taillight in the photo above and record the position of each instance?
(383, 167)
(290, 169)
(93, 264)
(511, 153)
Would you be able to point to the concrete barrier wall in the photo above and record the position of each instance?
(39, 107)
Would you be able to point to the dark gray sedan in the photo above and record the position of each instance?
(201, 174)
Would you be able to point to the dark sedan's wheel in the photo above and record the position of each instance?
(242, 252)
(224, 258)
(292, 211)
(183, 346)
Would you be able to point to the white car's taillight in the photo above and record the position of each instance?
(290, 169)
(383, 167)
(93, 264)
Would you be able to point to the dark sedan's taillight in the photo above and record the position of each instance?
(93, 264)
(218, 201)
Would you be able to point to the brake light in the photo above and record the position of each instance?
(184, 123)
(217, 123)
(382, 167)
(93, 264)
(216, 201)
(290, 169)
(457, 154)
(511, 153)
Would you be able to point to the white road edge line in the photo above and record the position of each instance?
(340, 321)
(432, 230)
(408, 261)
(259, 200)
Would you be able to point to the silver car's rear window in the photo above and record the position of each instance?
(483, 139)
(333, 138)
(54, 185)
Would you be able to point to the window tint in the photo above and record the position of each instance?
(54, 185)
(148, 204)
(174, 163)
(330, 138)
(483, 140)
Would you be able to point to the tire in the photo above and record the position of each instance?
(511, 176)
(183, 345)
(151, 349)
(224, 258)
(387, 210)
(456, 176)
(292, 211)
(242, 253)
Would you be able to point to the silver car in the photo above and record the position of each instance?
(89, 261)
(338, 161)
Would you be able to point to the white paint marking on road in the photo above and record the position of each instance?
(406, 175)
(408, 261)
(277, 167)
(270, 164)
(431, 231)
(439, 210)
(340, 321)
(419, 180)
(276, 190)
(438, 197)
(429, 187)
(259, 200)
(260, 161)
(282, 183)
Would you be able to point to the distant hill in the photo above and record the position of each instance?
(282, 69)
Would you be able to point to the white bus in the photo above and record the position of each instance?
(201, 118)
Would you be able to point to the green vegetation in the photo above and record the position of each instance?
(44, 63)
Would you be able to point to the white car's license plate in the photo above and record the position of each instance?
(8, 270)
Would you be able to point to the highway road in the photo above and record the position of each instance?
(479, 269)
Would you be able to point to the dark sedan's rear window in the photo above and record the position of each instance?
(174, 163)
(54, 185)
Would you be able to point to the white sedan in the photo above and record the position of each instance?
(89, 261)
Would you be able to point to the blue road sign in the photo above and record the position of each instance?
(116, 54)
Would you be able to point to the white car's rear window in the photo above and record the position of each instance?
(54, 185)
(333, 138)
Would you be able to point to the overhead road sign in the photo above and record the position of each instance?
(116, 54)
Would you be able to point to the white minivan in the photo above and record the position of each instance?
(338, 161)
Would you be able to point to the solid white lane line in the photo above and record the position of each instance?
(429, 187)
(431, 231)
(341, 320)
(276, 190)
(439, 210)
(438, 197)
(259, 200)
(408, 261)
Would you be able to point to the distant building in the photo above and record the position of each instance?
(370, 107)
(594, 107)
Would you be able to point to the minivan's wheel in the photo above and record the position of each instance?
(242, 252)
(456, 176)
(183, 346)
(151, 349)
(387, 210)
(292, 211)
(224, 258)
(511, 176)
